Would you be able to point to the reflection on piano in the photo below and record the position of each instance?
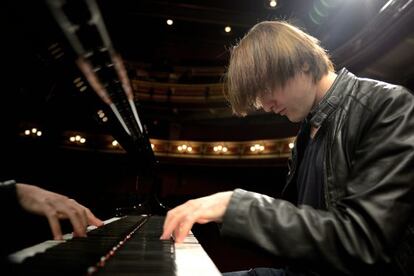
(123, 246)
(129, 244)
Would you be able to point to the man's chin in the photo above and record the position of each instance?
(294, 119)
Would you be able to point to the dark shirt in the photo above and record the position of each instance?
(310, 182)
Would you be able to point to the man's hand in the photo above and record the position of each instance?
(180, 220)
(55, 207)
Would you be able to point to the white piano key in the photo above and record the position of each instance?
(191, 259)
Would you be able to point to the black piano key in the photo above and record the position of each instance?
(143, 254)
(109, 250)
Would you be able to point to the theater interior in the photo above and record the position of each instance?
(59, 134)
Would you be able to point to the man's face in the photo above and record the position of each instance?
(294, 101)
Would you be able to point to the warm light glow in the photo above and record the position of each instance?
(39, 133)
(257, 147)
(114, 143)
(27, 132)
(104, 119)
(227, 29)
(82, 140)
(77, 138)
(220, 148)
(184, 147)
(34, 130)
(291, 145)
(273, 3)
(152, 146)
(72, 139)
(170, 22)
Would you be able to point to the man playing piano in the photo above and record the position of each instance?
(347, 207)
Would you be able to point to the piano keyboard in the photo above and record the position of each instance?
(123, 246)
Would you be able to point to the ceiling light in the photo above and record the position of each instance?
(272, 3)
(227, 29)
(170, 22)
(220, 149)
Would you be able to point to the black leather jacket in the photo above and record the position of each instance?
(369, 188)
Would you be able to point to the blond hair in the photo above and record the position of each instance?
(270, 54)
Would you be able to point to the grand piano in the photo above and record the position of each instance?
(129, 243)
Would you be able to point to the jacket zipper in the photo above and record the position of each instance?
(327, 155)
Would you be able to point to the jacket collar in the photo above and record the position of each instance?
(328, 103)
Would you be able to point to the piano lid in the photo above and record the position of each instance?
(84, 28)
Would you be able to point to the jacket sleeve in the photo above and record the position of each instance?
(10, 210)
(8, 197)
(361, 228)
